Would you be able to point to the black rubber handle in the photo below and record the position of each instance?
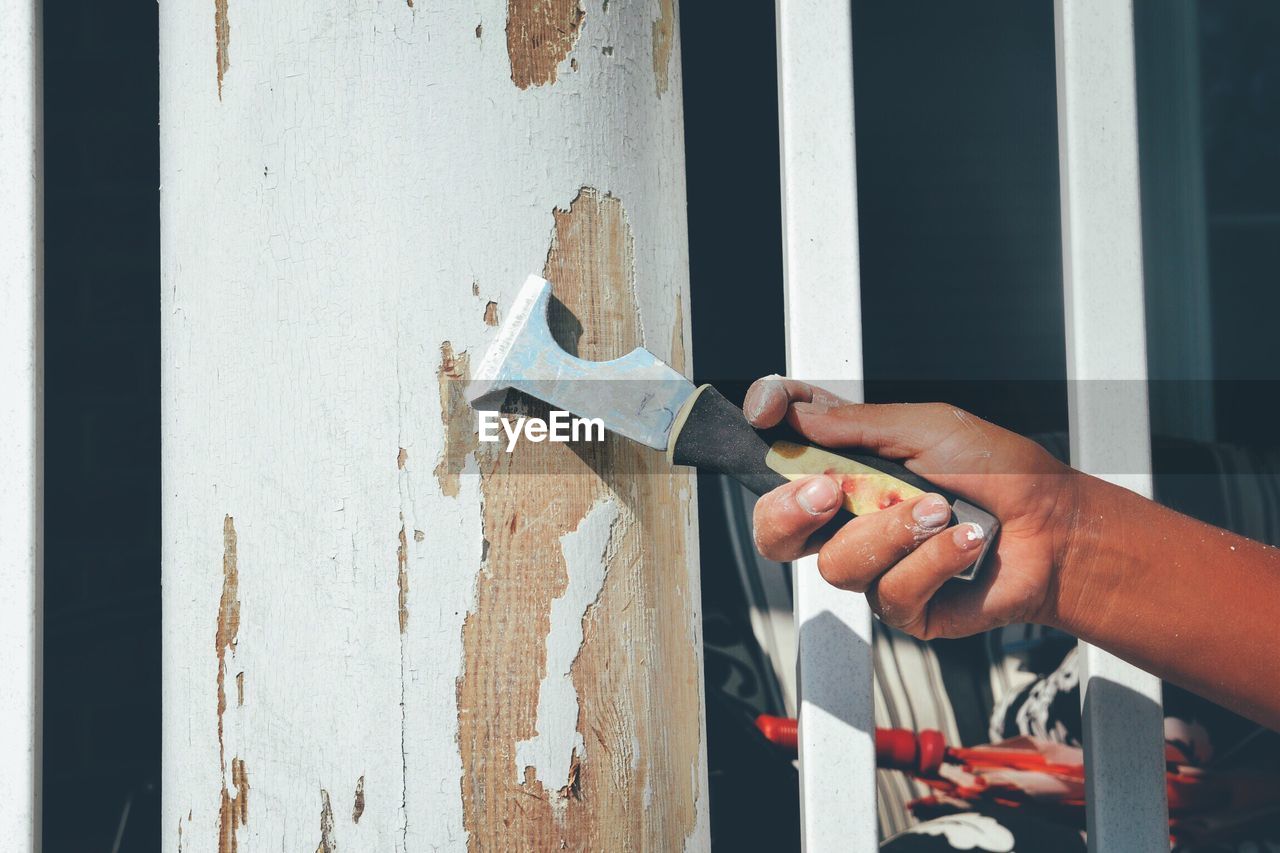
(712, 434)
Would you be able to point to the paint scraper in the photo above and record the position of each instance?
(644, 399)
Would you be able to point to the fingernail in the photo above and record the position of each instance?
(968, 536)
(811, 408)
(759, 395)
(931, 511)
(818, 496)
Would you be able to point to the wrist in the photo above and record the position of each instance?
(1082, 517)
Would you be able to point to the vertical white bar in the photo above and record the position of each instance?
(824, 344)
(21, 383)
(1106, 373)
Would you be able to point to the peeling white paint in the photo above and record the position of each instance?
(322, 227)
(701, 829)
(586, 551)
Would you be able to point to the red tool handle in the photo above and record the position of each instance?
(896, 749)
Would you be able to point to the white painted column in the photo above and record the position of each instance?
(824, 344)
(1106, 372)
(379, 634)
(21, 421)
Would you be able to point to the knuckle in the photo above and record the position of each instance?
(829, 569)
(939, 410)
(891, 609)
(836, 572)
(900, 614)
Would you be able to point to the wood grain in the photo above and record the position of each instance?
(540, 35)
(636, 672)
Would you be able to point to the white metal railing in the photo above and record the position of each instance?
(1106, 380)
(1102, 258)
(824, 342)
(21, 380)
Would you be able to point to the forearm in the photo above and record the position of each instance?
(1194, 604)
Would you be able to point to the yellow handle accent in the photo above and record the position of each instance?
(866, 490)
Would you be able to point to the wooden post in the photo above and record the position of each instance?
(21, 423)
(380, 634)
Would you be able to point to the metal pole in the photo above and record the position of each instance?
(1107, 393)
(824, 344)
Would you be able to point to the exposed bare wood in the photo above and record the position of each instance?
(635, 675)
(540, 35)
(663, 31)
(222, 40)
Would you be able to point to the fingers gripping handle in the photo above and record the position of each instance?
(712, 434)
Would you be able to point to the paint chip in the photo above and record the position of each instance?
(228, 604)
(327, 842)
(556, 750)
(491, 313)
(401, 458)
(460, 438)
(358, 808)
(222, 40)
(663, 33)
(402, 577)
(678, 355)
(540, 35)
(573, 788)
(233, 812)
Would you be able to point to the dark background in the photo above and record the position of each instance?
(102, 426)
(961, 290)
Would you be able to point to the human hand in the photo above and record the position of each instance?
(903, 556)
